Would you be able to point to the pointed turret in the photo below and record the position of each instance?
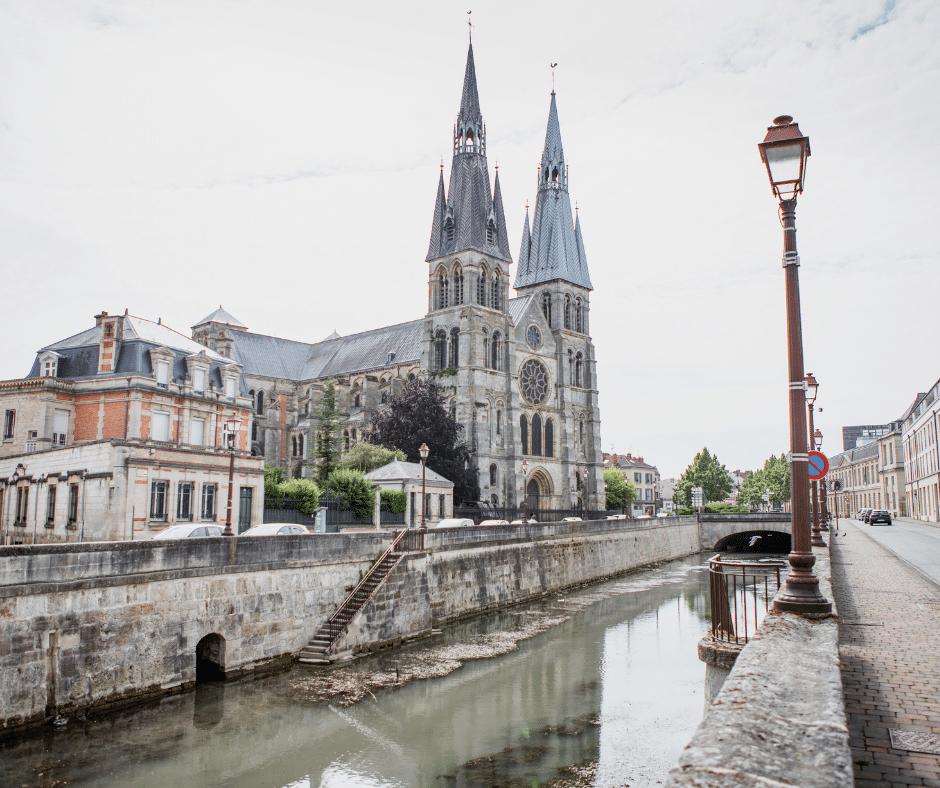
(522, 269)
(472, 218)
(556, 250)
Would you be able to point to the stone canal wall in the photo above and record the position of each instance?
(464, 571)
(93, 624)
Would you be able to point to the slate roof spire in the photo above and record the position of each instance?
(554, 249)
(469, 216)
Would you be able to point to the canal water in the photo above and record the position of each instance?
(599, 686)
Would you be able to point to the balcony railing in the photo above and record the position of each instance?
(741, 593)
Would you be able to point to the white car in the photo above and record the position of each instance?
(193, 531)
(572, 520)
(616, 517)
(495, 522)
(275, 529)
(455, 522)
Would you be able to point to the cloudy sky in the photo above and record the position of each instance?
(281, 158)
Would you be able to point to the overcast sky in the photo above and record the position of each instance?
(281, 159)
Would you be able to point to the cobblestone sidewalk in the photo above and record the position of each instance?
(889, 645)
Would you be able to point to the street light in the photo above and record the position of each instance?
(232, 426)
(823, 493)
(584, 496)
(525, 495)
(784, 151)
(424, 451)
(812, 387)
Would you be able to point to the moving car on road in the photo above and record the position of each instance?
(861, 514)
(879, 516)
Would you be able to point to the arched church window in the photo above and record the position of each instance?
(493, 472)
(440, 349)
(567, 311)
(481, 287)
(354, 436)
(254, 430)
(385, 398)
(570, 367)
(491, 232)
(499, 422)
(578, 317)
(411, 377)
(581, 432)
(549, 438)
(496, 351)
(524, 433)
(454, 347)
(293, 450)
(494, 294)
(259, 404)
(486, 348)
(357, 402)
(458, 286)
(449, 230)
(547, 308)
(346, 440)
(537, 435)
(555, 175)
(442, 291)
(578, 370)
(300, 445)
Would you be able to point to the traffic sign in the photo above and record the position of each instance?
(818, 465)
(836, 485)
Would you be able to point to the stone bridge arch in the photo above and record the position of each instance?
(721, 532)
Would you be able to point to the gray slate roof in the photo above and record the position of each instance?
(399, 471)
(468, 202)
(221, 316)
(554, 249)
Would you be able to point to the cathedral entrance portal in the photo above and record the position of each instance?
(532, 496)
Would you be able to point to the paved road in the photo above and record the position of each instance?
(916, 542)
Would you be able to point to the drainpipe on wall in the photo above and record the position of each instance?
(81, 537)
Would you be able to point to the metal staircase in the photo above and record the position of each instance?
(318, 650)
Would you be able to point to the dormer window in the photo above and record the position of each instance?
(163, 374)
(49, 369)
(199, 381)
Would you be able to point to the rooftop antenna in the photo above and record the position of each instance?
(552, 66)
(470, 25)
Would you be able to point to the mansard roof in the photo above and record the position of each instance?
(554, 248)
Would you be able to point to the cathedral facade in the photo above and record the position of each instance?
(519, 372)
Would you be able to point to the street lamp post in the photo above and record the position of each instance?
(811, 388)
(584, 497)
(424, 451)
(232, 426)
(525, 494)
(823, 497)
(784, 151)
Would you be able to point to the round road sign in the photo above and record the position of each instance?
(818, 465)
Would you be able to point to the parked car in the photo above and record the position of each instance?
(275, 529)
(192, 531)
(455, 522)
(643, 517)
(867, 516)
(861, 514)
(571, 520)
(495, 522)
(616, 517)
(879, 516)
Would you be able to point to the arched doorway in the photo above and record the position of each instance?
(210, 658)
(532, 494)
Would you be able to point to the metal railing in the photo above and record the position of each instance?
(741, 593)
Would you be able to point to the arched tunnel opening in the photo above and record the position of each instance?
(755, 542)
(210, 658)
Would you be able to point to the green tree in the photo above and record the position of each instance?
(417, 416)
(395, 500)
(273, 477)
(327, 416)
(304, 491)
(705, 472)
(353, 490)
(620, 492)
(777, 478)
(753, 489)
(365, 457)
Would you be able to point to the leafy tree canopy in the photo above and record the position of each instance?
(327, 417)
(620, 492)
(417, 416)
(354, 490)
(705, 472)
(775, 476)
(365, 457)
(395, 500)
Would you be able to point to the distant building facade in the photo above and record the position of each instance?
(645, 478)
(919, 440)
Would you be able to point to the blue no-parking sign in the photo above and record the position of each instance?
(818, 465)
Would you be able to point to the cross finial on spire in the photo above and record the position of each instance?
(552, 66)
(470, 25)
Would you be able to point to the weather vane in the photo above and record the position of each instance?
(552, 66)
(470, 25)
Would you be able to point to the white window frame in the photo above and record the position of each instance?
(153, 425)
(199, 432)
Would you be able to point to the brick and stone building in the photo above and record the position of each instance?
(117, 432)
(521, 370)
(919, 430)
(645, 478)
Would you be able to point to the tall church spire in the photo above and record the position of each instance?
(555, 249)
(472, 217)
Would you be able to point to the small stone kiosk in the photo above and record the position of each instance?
(406, 476)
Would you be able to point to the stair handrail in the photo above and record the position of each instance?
(332, 620)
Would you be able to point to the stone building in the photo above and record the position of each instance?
(920, 427)
(521, 371)
(410, 478)
(645, 478)
(117, 432)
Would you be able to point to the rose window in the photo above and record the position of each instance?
(533, 382)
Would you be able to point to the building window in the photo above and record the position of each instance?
(524, 430)
(442, 291)
(547, 308)
(440, 349)
(300, 444)
(353, 436)
(481, 287)
(60, 427)
(197, 432)
(458, 286)
(495, 351)
(427, 505)
(578, 370)
(259, 403)
(570, 366)
(254, 430)
(578, 317)
(454, 347)
(499, 422)
(49, 368)
(199, 381)
(293, 451)
(230, 389)
(486, 348)
(50, 505)
(22, 505)
(649, 478)
(493, 472)
(495, 294)
(384, 397)
(184, 501)
(73, 504)
(638, 478)
(209, 493)
(549, 438)
(158, 496)
(9, 422)
(163, 374)
(346, 440)
(581, 433)
(537, 435)
(567, 311)
(649, 494)
(440, 507)
(449, 230)
(491, 232)
(160, 426)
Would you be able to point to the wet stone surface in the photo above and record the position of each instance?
(596, 687)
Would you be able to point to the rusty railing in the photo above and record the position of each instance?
(741, 593)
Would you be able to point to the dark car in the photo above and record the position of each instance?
(867, 516)
(879, 516)
(861, 514)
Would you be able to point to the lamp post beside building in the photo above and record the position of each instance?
(525, 493)
(232, 426)
(784, 151)
(424, 451)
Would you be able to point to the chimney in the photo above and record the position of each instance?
(109, 344)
